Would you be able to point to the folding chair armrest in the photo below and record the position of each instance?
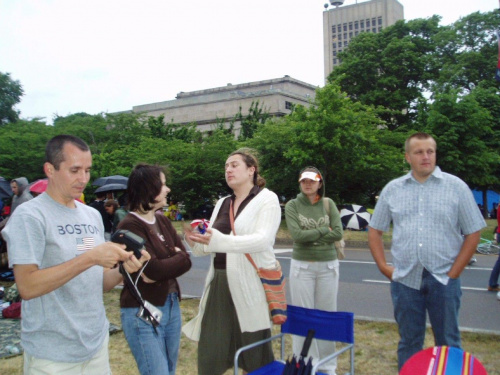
(331, 356)
(253, 345)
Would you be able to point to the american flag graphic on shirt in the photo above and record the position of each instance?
(84, 244)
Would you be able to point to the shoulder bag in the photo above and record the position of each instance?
(339, 245)
(272, 281)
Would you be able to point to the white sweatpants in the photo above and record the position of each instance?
(315, 285)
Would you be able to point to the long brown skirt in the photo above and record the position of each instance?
(221, 335)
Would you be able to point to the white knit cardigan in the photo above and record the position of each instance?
(256, 227)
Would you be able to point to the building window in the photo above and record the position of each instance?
(380, 21)
(345, 26)
(334, 61)
(373, 21)
(350, 34)
(334, 53)
(345, 36)
(362, 24)
(339, 28)
(374, 30)
(334, 45)
(346, 44)
(367, 23)
(356, 25)
(288, 105)
(350, 25)
(356, 32)
(334, 30)
(379, 29)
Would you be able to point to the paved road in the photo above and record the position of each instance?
(364, 291)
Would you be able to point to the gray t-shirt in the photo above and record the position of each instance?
(68, 324)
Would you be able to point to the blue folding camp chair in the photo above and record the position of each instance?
(333, 326)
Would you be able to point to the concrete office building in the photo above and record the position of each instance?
(207, 107)
(342, 23)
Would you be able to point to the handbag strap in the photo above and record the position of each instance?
(326, 204)
(231, 219)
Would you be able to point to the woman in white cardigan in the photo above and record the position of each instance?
(233, 310)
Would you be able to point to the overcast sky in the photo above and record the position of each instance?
(108, 55)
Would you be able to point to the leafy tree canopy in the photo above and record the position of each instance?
(343, 138)
(11, 92)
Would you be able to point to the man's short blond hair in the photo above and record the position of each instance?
(419, 135)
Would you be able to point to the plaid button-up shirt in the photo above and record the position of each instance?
(429, 220)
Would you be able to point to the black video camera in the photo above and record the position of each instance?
(132, 241)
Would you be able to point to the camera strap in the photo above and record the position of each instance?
(132, 286)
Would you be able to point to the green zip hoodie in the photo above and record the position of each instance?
(309, 225)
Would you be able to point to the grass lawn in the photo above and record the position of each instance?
(375, 348)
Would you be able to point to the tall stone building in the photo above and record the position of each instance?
(206, 108)
(342, 23)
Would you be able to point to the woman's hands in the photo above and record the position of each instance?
(191, 236)
(204, 239)
(147, 280)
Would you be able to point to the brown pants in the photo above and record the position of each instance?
(221, 335)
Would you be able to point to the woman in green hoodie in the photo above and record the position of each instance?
(314, 224)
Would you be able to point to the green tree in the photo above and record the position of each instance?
(158, 128)
(466, 52)
(390, 69)
(467, 137)
(93, 129)
(22, 149)
(398, 69)
(343, 138)
(126, 128)
(249, 123)
(11, 92)
(272, 140)
(195, 169)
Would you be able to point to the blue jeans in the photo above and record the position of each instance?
(154, 353)
(495, 272)
(442, 303)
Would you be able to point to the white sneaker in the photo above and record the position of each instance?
(498, 296)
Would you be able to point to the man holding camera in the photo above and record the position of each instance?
(62, 265)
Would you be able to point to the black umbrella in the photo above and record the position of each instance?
(5, 190)
(354, 216)
(117, 179)
(111, 187)
(299, 366)
(290, 366)
(306, 369)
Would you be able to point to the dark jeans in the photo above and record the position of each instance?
(442, 303)
(495, 272)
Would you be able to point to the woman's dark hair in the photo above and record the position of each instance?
(315, 170)
(251, 161)
(54, 148)
(144, 185)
